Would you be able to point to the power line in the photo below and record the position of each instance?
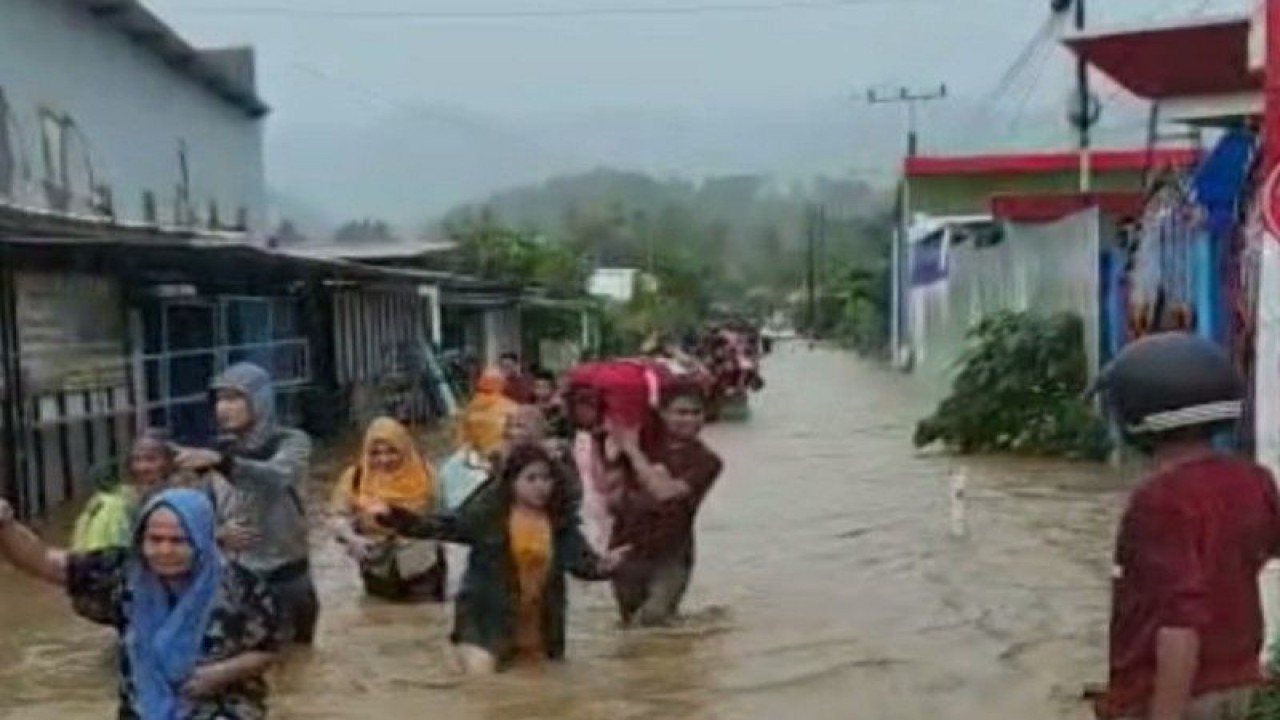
(539, 13)
(912, 99)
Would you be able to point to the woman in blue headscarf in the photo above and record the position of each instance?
(198, 632)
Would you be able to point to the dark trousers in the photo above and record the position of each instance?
(649, 592)
(429, 587)
(295, 594)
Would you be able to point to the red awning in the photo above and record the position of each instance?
(1203, 57)
(1051, 207)
(1043, 163)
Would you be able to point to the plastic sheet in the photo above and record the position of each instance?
(1050, 267)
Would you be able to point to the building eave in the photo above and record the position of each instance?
(1102, 161)
(37, 230)
(1052, 207)
(1183, 58)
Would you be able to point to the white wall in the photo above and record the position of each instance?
(616, 284)
(501, 333)
(133, 111)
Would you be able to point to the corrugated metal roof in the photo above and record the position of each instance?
(370, 251)
(227, 72)
(28, 227)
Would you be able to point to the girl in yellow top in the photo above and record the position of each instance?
(390, 473)
(524, 534)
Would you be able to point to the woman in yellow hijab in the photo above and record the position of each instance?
(389, 473)
(484, 419)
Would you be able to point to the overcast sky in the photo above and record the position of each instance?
(528, 72)
(343, 67)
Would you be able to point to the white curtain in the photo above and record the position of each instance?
(1047, 267)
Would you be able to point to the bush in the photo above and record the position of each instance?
(1266, 706)
(1019, 389)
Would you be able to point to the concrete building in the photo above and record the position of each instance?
(106, 112)
(131, 179)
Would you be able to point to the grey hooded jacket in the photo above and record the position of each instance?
(269, 467)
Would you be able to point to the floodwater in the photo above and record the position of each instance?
(830, 587)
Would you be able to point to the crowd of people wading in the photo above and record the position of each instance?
(199, 556)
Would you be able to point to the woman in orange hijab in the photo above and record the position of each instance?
(484, 419)
(389, 473)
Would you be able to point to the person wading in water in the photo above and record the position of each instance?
(390, 472)
(524, 539)
(109, 516)
(1186, 619)
(197, 633)
(519, 386)
(269, 466)
(655, 504)
(546, 397)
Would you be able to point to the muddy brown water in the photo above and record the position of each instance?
(829, 588)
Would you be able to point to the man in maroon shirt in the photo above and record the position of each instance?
(1186, 623)
(655, 506)
(519, 387)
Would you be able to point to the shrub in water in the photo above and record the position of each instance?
(1019, 389)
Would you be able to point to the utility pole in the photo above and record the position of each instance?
(912, 99)
(811, 268)
(1085, 98)
(1088, 113)
(1086, 110)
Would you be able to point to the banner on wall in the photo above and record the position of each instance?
(71, 332)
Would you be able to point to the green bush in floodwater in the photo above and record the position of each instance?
(1019, 389)
(1266, 706)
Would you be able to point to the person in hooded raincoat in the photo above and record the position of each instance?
(198, 633)
(269, 466)
(390, 472)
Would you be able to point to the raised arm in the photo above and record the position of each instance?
(444, 526)
(654, 478)
(284, 469)
(20, 546)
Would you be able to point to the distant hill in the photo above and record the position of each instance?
(409, 168)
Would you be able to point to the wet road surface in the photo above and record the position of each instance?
(829, 588)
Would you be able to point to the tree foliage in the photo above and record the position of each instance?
(364, 230)
(733, 240)
(490, 250)
(1019, 389)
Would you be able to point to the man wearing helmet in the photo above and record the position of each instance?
(1186, 619)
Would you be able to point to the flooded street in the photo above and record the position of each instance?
(829, 588)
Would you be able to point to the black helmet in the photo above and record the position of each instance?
(1170, 382)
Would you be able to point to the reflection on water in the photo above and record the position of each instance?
(828, 588)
